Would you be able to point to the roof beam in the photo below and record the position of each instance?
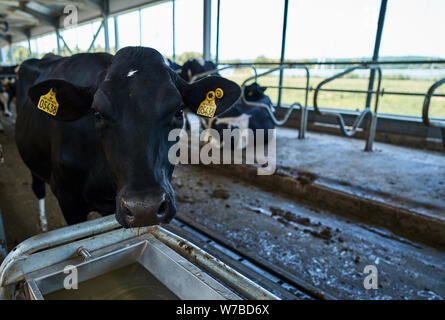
(15, 15)
(96, 4)
(53, 21)
(80, 3)
(23, 30)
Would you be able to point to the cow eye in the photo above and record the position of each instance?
(179, 113)
(97, 115)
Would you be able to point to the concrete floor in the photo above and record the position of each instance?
(407, 177)
(322, 248)
(19, 206)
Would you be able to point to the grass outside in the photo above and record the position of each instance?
(390, 104)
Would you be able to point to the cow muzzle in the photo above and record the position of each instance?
(139, 210)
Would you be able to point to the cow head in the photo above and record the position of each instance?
(254, 92)
(196, 66)
(136, 102)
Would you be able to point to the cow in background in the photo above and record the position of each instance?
(7, 88)
(242, 116)
(7, 95)
(176, 67)
(9, 71)
(196, 66)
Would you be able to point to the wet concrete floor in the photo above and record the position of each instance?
(406, 177)
(323, 249)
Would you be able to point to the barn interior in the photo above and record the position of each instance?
(359, 178)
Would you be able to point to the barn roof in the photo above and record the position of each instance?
(20, 20)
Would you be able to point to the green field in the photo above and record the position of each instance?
(390, 104)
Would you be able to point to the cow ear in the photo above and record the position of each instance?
(211, 96)
(263, 88)
(61, 99)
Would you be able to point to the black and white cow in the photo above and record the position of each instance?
(7, 95)
(106, 147)
(242, 116)
(196, 66)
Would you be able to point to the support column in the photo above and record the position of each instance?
(375, 55)
(106, 35)
(174, 32)
(106, 13)
(207, 29)
(29, 48)
(217, 33)
(28, 37)
(140, 28)
(11, 60)
(372, 122)
(116, 32)
(283, 47)
(59, 49)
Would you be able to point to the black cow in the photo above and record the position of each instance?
(7, 95)
(250, 117)
(194, 67)
(176, 67)
(106, 148)
(7, 88)
(9, 71)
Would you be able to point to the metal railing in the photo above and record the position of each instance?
(382, 91)
(426, 109)
(367, 111)
(354, 66)
(214, 71)
(207, 123)
(295, 105)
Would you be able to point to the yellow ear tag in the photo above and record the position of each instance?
(219, 93)
(207, 107)
(250, 93)
(48, 103)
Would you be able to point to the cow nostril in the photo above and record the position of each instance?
(162, 209)
(126, 210)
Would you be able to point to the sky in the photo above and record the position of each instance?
(251, 28)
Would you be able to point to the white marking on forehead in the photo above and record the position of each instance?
(131, 72)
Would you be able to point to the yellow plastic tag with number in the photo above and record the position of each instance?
(48, 103)
(207, 108)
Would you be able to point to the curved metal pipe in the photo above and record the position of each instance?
(426, 106)
(267, 107)
(359, 119)
(295, 105)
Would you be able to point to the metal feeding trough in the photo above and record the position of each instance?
(110, 262)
